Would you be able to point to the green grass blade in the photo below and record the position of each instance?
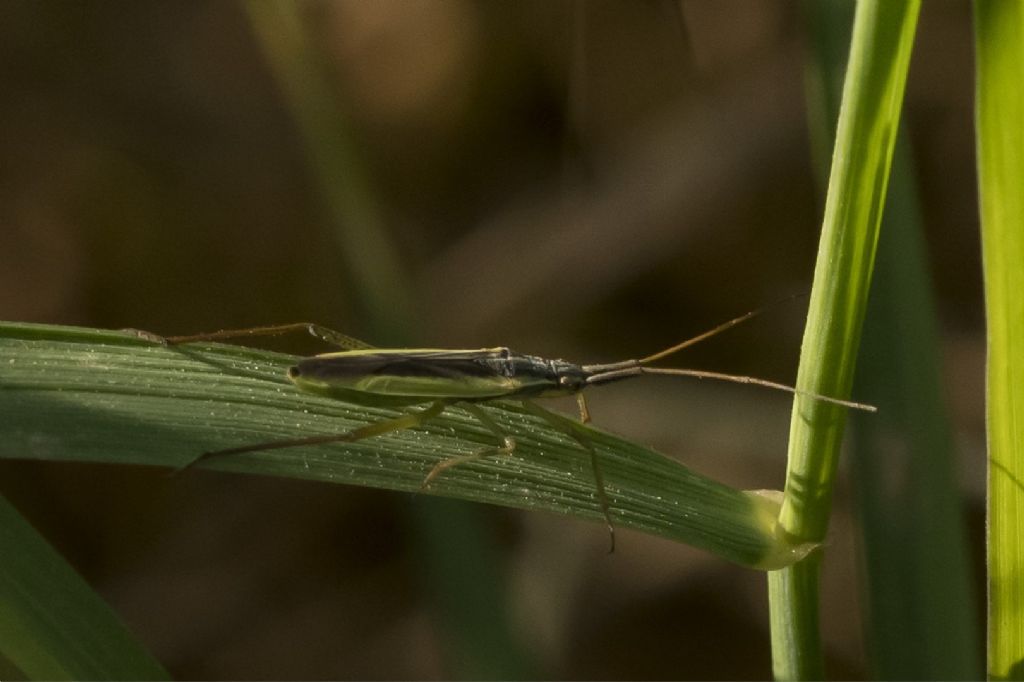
(920, 612)
(999, 39)
(869, 117)
(52, 625)
(101, 396)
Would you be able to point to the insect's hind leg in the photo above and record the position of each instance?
(507, 444)
(576, 432)
(406, 421)
(325, 334)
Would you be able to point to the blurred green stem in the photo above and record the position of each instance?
(369, 261)
(365, 250)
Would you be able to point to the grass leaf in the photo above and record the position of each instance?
(52, 625)
(869, 118)
(999, 40)
(101, 396)
(915, 567)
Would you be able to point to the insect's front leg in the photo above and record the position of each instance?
(581, 400)
(577, 433)
(506, 445)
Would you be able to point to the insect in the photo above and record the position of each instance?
(440, 379)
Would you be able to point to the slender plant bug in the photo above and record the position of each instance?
(440, 379)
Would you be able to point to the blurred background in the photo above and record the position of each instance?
(587, 179)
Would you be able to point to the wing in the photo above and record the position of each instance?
(411, 374)
(451, 365)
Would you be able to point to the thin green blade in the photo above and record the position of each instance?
(999, 40)
(52, 625)
(869, 117)
(919, 610)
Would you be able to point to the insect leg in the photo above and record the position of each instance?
(577, 433)
(406, 421)
(506, 444)
(323, 333)
(581, 400)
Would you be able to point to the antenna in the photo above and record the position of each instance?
(603, 373)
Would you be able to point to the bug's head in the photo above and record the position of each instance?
(572, 383)
(570, 377)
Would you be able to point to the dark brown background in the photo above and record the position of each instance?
(591, 208)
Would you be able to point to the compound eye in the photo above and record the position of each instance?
(293, 372)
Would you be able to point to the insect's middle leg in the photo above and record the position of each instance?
(506, 444)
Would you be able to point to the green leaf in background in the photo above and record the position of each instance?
(52, 625)
(73, 394)
(469, 600)
(869, 117)
(367, 259)
(999, 40)
(921, 618)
